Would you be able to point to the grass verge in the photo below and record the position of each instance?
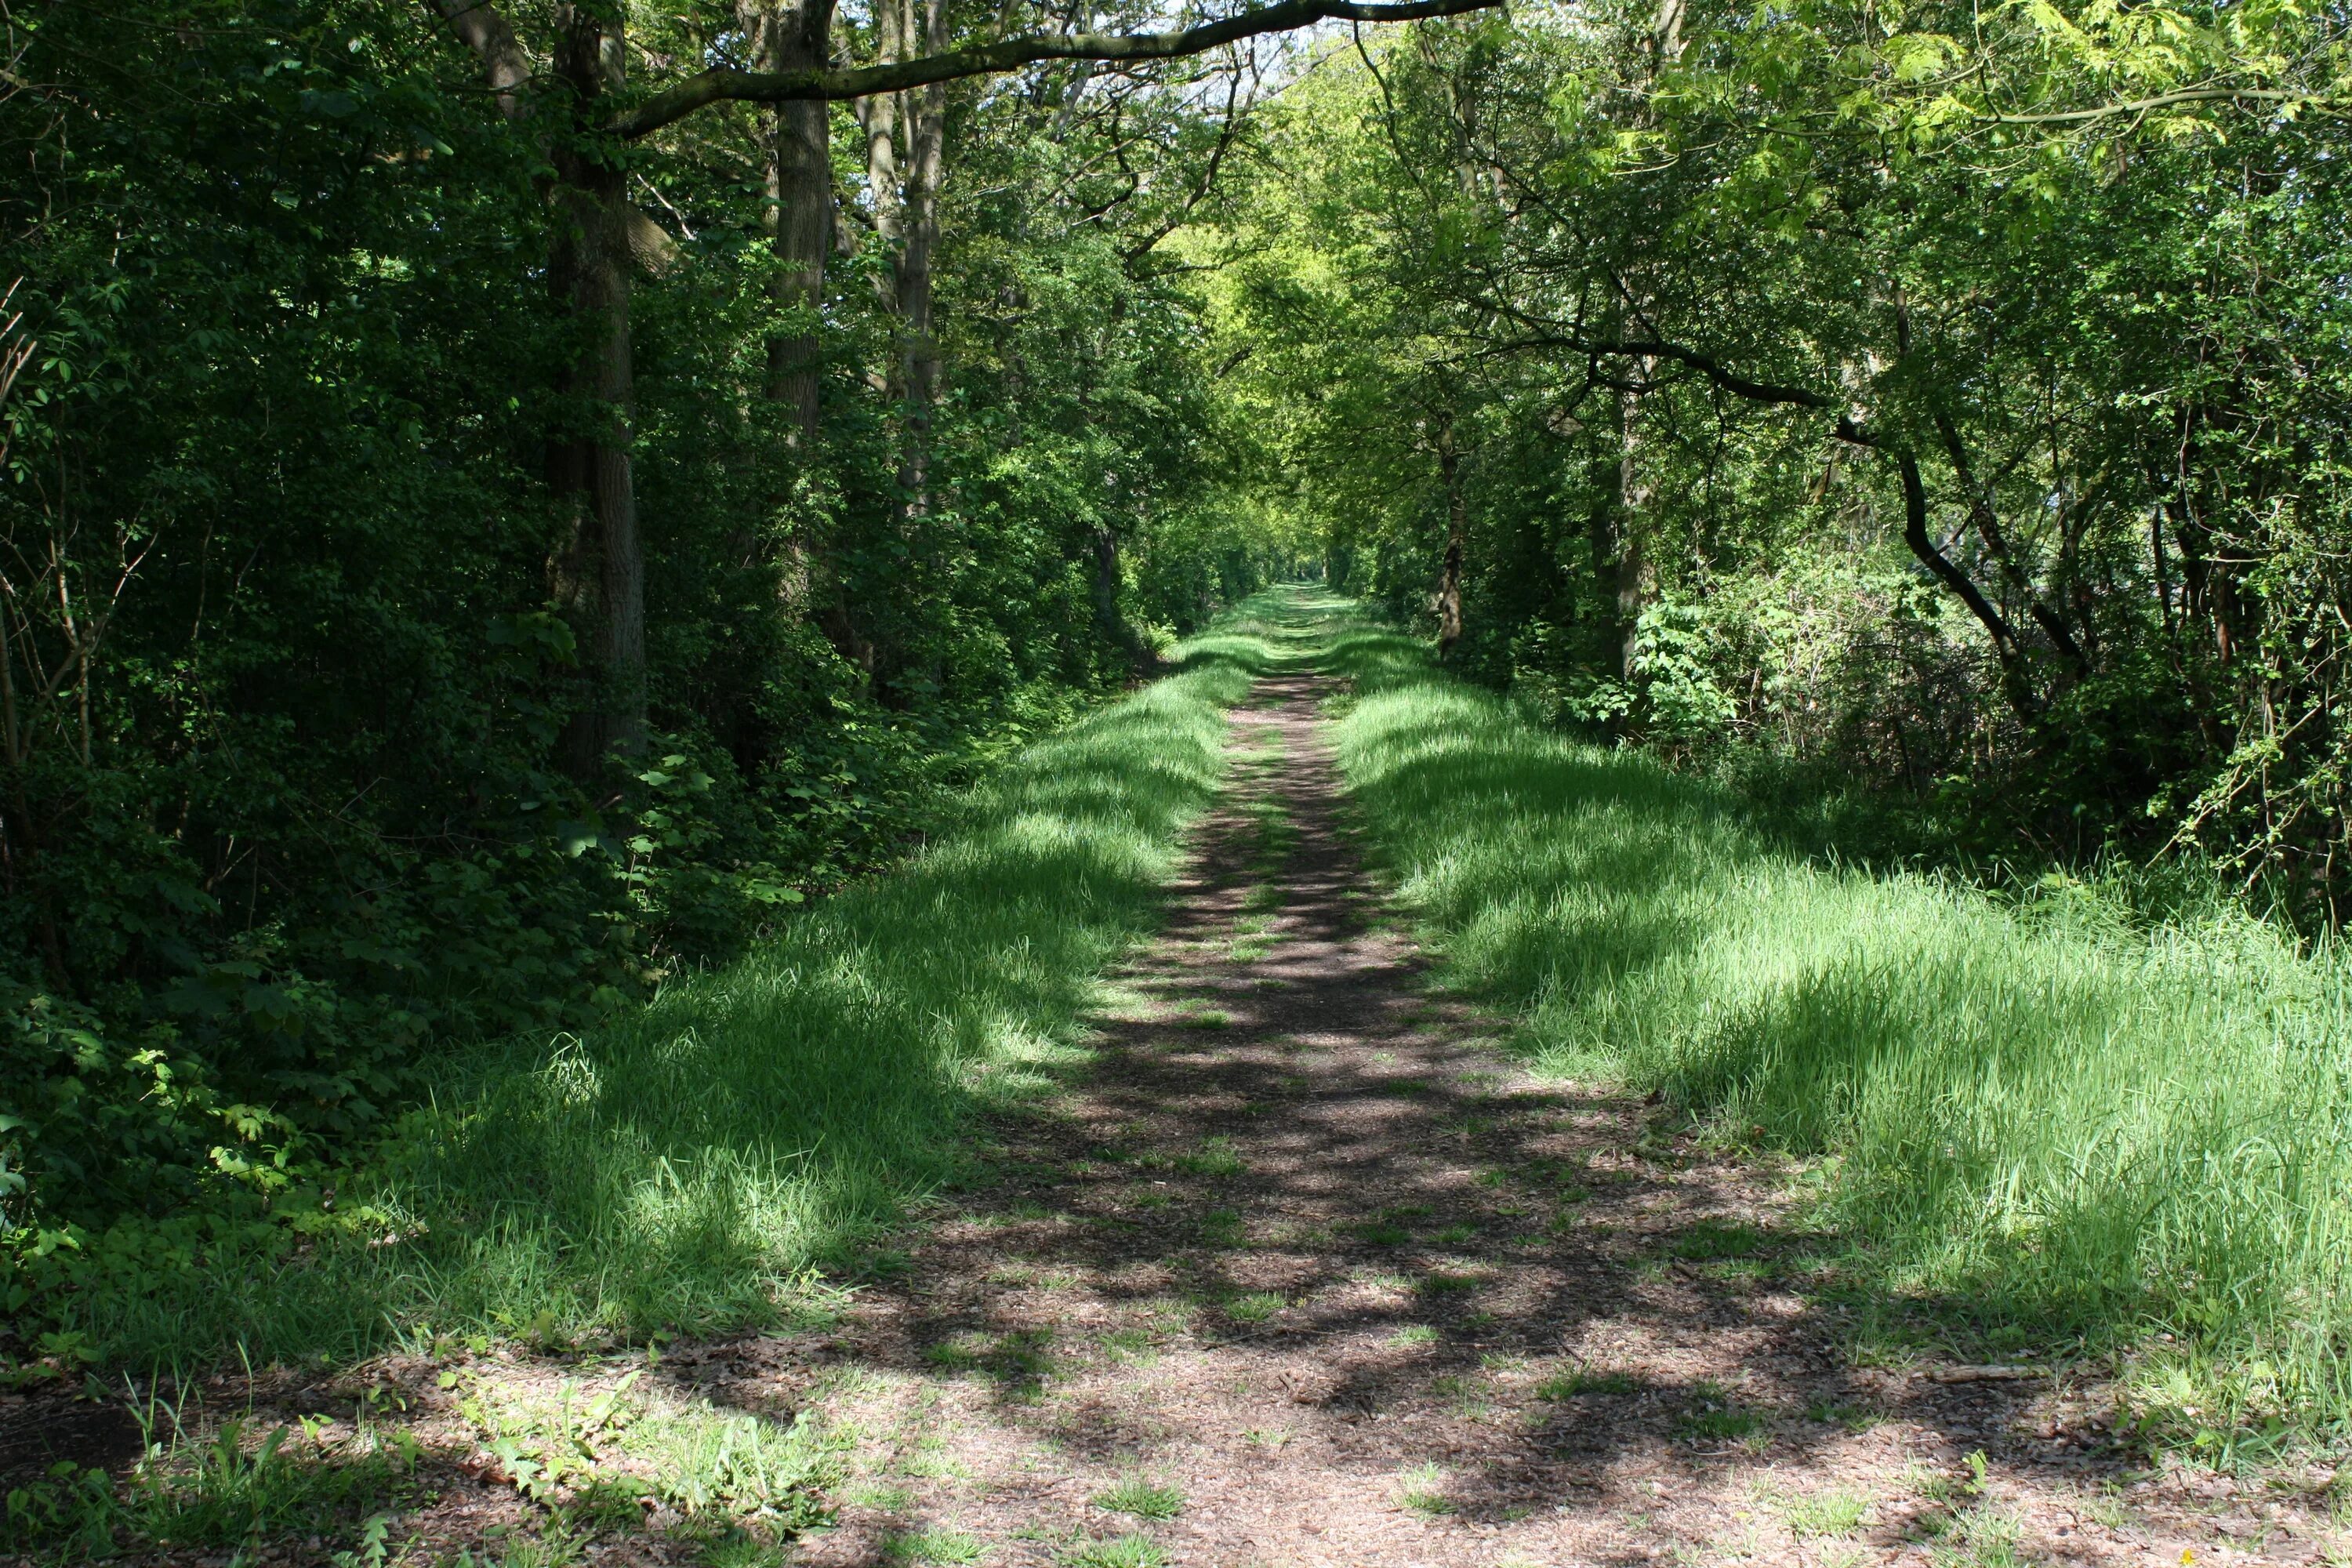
(683, 1168)
(2044, 1125)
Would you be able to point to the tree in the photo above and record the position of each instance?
(595, 221)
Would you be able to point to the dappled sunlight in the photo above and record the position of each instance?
(2074, 1126)
(682, 1167)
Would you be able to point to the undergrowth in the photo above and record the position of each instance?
(683, 1168)
(2043, 1122)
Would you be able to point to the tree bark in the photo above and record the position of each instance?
(905, 150)
(601, 577)
(796, 37)
(1636, 573)
(1636, 579)
(1449, 583)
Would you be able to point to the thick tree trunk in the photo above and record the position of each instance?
(906, 146)
(599, 575)
(918, 345)
(793, 37)
(602, 576)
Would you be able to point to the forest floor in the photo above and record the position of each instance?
(1300, 1267)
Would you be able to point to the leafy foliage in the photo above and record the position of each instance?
(288, 822)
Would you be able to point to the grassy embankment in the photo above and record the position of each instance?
(2042, 1127)
(683, 1168)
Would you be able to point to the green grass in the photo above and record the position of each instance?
(1832, 1513)
(1142, 1498)
(1713, 1415)
(1423, 1490)
(2047, 1126)
(1216, 1158)
(1586, 1380)
(933, 1545)
(687, 1166)
(1124, 1552)
(1255, 1307)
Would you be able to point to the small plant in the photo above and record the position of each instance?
(1835, 1512)
(933, 1546)
(1981, 1537)
(1579, 1380)
(1414, 1334)
(1125, 1552)
(1256, 1307)
(1216, 1158)
(1143, 1498)
(1853, 1418)
(1132, 1347)
(1423, 1490)
(1441, 1282)
(1714, 1416)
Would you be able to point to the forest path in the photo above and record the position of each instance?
(1303, 1270)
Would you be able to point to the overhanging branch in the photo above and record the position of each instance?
(724, 85)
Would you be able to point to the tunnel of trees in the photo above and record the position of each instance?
(506, 504)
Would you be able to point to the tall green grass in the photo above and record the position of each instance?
(2043, 1121)
(683, 1168)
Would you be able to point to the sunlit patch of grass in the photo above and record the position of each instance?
(1413, 1335)
(2038, 1108)
(1835, 1512)
(933, 1546)
(1132, 1346)
(1256, 1306)
(1123, 1551)
(682, 1167)
(929, 1459)
(1468, 1396)
(1423, 1490)
(1143, 1497)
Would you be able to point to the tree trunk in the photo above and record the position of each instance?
(601, 577)
(906, 137)
(1449, 586)
(1637, 573)
(793, 37)
(1109, 578)
(1636, 577)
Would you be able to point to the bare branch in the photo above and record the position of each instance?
(721, 85)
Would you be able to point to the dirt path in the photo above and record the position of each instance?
(1306, 1272)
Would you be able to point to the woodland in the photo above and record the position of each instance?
(534, 529)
